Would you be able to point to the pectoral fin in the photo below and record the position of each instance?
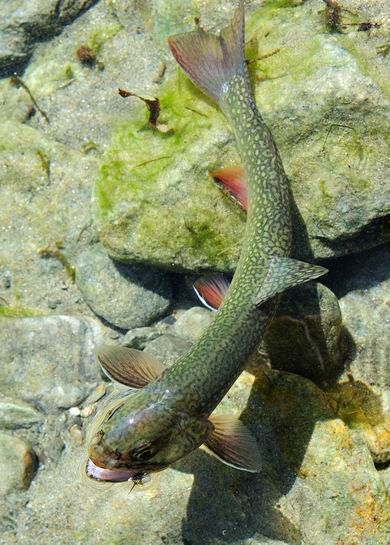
(128, 366)
(286, 272)
(232, 443)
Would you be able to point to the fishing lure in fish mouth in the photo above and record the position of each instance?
(170, 412)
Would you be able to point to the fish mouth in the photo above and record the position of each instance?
(109, 475)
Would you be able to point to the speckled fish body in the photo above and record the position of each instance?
(214, 363)
(170, 416)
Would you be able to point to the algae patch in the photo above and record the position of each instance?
(145, 166)
(18, 312)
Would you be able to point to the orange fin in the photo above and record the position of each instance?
(128, 366)
(211, 290)
(233, 444)
(234, 180)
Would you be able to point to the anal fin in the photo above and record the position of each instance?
(284, 273)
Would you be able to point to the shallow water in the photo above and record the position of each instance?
(86, 178)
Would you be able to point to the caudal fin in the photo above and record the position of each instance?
(211, 61)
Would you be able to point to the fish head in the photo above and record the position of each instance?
(142, 435)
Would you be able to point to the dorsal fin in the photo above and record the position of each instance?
(128, 366)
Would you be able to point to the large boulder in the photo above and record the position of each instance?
(324, 97)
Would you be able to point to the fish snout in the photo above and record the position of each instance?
(100, 455)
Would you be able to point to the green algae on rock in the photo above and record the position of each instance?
(145, 176)
(326, 108)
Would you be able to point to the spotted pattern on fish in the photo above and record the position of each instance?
(170, 416)
(209, 370)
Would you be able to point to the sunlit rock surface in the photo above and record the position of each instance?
(324, 439)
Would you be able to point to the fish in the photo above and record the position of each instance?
(169, 412)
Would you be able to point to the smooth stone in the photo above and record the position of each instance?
(306, 334)
(126, 296)
(17, 414)
(362, 395)
(49, 361)
(323, 94)
(168, 348)
(18, 464)
(139, 337)
(25, 22)
(317, 486)
(191, 323)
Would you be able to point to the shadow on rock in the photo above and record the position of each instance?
(231, 505)
(306, 336)
(359, 272)
(227, 505)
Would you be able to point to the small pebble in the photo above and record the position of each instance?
(97, 394)
(87, 411)
(76, 435)
(74, 411)
(53, 303)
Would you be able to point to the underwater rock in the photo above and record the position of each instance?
(139, 337)
(313, 475)
(324, 97)
(364, 287)
(126, 296)
(305, 336)
(25, 22)
(192, 322)
(16, 414)
(44, 197)
(362, 396)
(18, 464)
(49, 361)
(168, 348)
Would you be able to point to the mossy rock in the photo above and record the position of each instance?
(323, 96)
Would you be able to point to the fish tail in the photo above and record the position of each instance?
(211, 61)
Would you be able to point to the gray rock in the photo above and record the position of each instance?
(27, 21)
(364, 285)
(49, 361)
(306, 335)
(16, 414)
(125, 296)
(168, 348)
(38, 202)
(17, 464)
(362, 396)
(313, 475)
(139, 337)
(191, 323)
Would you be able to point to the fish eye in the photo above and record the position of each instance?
(142, 453)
